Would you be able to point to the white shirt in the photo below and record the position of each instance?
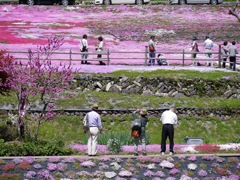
(83, 42)
(151, 42)
(208, 44)
(233, 51)
(94, 120)
(169, 117)
(100, 46)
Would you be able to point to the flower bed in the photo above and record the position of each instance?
(145, 167)
(155, 148)
(124, 28)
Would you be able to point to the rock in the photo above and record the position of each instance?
(147, 93)
(161, 94)
(116, 89)
(173, 93)
(136, 83)
(110, 175)
(98, 84)
(98, 89)
(108, 86)
(179, 95)
(123, 79)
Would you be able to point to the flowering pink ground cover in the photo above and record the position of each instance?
(124, 28)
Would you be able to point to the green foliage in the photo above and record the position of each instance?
(39, 148)
(8, 132)
(10, 176)
(176, 74)
(107, 100)
(54, 148)
(114, 145)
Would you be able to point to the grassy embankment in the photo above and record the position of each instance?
(212, 129)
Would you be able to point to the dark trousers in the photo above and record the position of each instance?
(232, 60)
(224, 62)
(167, 131)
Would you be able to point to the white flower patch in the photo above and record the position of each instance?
(88, 164)
(5, 9)
(166, 164)
(231, 146)
(29, 36)
(50, 24)
(151, 166)
(192, 166)
(125, 173)
(115, 166)
(19, 23)
(189, 149)
(158, 32)
(184, 177)
(110, 175)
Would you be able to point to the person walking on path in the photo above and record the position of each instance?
(194, 50)
(224, 53)
(233, 51)
(208, 45)
(84, 49)
(93, 121)
(141, 116)
(168, 118)
(100, 48)
(152, 51)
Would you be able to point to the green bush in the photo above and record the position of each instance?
(114, 145)
(8, 132)
(39, 148)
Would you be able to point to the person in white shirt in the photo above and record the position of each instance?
(168, 118)
(84, 48)
(100, 48)
(208, 44)
(233, 51)
(93, 121)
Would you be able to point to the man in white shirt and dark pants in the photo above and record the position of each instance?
(168, 118)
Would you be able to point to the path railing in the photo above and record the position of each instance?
(139, 57)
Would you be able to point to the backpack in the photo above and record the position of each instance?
(136, 128)
(151, 48)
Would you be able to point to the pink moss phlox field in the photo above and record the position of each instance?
(124, 28)
(155, 148)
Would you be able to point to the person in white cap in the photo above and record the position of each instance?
(93, 121)
(168, 118)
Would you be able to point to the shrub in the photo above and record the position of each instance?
(6, 176)
(39, 148)
(8, 132)
(114, 145)
(5, 59)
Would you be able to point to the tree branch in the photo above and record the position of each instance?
(234, 13)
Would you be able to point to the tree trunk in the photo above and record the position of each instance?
(21, 113)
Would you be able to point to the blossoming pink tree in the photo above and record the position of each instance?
(37, 79)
